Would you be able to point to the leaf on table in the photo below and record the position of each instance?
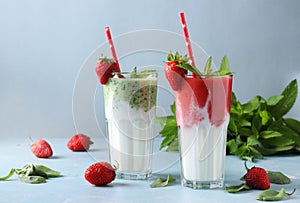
(277, 177)
(273, 195)
(162, 182)
(32, 179)
(237, 188)
(12, 171)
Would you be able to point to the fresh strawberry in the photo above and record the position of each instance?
(79, 142)
(105, 68)
(41, 149)
(257, 178)
(100, 173)
(175, 74)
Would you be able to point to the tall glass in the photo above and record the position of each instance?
(202, 113)
(130, 104)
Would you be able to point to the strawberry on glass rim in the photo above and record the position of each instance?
(105, 69)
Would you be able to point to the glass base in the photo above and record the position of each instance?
(133, 175)
(217, 184)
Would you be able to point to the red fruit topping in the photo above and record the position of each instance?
(79, 142)
(257, 178)
(195, 93)
(41, 149)
(174, 74)
(105, 68)
(100, 173)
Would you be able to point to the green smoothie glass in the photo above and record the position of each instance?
(130, 109)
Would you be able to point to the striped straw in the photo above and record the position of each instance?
(112, 47)
(187, 40)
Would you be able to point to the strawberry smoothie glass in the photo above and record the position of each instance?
(130, 106)
(202, 113)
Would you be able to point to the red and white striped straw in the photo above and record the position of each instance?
(112, 47)
(187, 39)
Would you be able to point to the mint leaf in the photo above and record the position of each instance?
(32, 179)
(272, 101)
(208, 66)
(48, 171)
(273, 195)
(287, 101)
(277, 177)
(224, 67)
(237, 188)
(190, 68)
(162, 182)
(12, 171)
(267, 134)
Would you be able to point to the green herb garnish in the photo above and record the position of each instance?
(33, 174)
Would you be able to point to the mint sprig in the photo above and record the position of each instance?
(32, 174)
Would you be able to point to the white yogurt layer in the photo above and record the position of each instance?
(203, 151)
(130, 136)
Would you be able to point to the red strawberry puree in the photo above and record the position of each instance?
(202, 113)
(200, 98)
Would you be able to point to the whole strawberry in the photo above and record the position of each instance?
(79, 142)
(257, 178)
(175, 74)
(105, 68)
(41, 149)
(100, 173)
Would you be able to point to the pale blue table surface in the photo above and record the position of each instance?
(72, 187)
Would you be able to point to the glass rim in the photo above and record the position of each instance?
(127, 74)
(229, 75)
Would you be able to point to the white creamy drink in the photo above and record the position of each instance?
(130, 113)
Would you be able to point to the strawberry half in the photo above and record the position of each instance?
(79, 142)
(105, 68)
(175, 74)
(100, 173)
(41, 149)
(257, 178)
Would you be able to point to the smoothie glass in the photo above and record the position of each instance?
(130, 107)
(202, 113)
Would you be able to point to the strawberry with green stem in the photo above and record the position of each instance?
(105, 68)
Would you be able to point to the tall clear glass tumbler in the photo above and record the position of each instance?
(203, 113)
(130, 109)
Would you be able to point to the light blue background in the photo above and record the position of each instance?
(43, 44)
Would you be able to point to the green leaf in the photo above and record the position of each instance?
(237, 188)
(48, 171)
(12, 171)
(293, 124)
(190, 68)
(208, 66)
(286, 103)
(162, 182)
(173, 146)
(32, 179)
(272, 101)
(267, 134)
(224, 67)
(277, 177)
(265, 117)
(232, 145)
(273, 195)
(173, 108)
